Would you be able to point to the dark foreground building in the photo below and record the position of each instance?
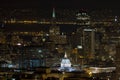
(118, 62)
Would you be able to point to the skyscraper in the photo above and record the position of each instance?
(89, 42)
(54, 29)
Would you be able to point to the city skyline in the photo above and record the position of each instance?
(35, 35)
(62, 18)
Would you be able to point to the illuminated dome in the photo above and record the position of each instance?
(66, 65)
(65, 62)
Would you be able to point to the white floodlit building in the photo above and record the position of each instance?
(65, 61)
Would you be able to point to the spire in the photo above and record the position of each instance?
(53, 13)
(65, 56)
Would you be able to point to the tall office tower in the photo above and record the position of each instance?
(117, 62)
(55, 32)
(54, 29)
(89, 42)
(83, 18)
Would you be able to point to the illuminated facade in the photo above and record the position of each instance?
(65, 62)
(66, 65)
(83, 18)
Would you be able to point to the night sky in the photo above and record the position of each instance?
(60, 3)
(92, 4)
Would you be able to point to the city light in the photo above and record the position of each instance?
(61, 43)
(19, 44)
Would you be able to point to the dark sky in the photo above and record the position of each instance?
(60, 3)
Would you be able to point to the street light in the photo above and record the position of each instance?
(19, 44)
(79, 46)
